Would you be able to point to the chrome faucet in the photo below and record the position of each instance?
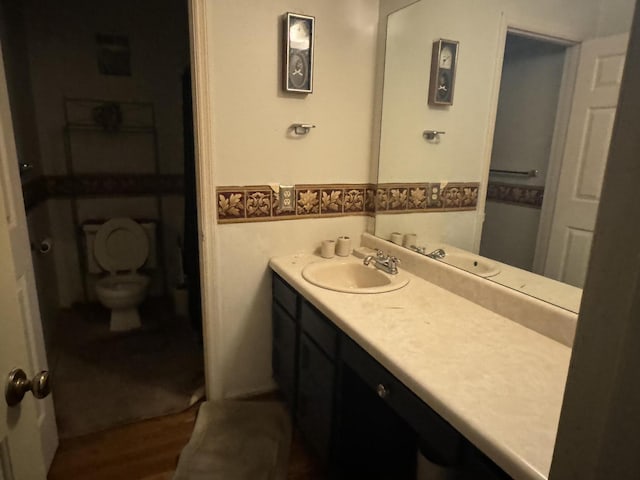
(438, 254)
(386, 263)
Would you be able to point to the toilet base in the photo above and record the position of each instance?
(125, 319)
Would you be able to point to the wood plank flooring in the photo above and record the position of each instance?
(148, 450)
(144, 450)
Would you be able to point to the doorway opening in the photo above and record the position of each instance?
(520, 170)
(100, 99)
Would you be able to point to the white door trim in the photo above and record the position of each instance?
(491, 128)
(565, 100)
(201, 74)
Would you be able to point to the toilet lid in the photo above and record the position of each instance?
(121, 245)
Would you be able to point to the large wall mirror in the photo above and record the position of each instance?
(515, 178)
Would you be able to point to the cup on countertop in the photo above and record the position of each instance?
(396, 237)
(409, 239)
(343, 246)
(328, 248)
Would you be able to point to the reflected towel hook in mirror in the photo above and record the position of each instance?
(302, 128)
(432, 134)
(526, 173)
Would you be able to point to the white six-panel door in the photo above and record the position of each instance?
(28, 435)
(585, 156)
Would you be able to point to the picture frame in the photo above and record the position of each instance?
(444, 61)
(298, 52)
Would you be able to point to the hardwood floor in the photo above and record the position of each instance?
(148, 450)
(145, 450)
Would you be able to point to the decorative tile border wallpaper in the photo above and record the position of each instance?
(523, 195)
(426, 197)
(55, 186)
(260, 203)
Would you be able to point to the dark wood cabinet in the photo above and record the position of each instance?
(283, 354)
(372, 441)
(303, 358)
(357, 417)
(439, 440)
(315, 397)
(317, 372)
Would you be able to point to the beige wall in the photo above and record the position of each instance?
(44, 269)
(244, 290)
(60, 60)
(509, 234)
(529, 91)
(431, 228)
(251, 116)
(63, 62)
(15, 51)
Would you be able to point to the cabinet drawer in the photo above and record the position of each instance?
(439, 440)
(285, 295)
(321, 330)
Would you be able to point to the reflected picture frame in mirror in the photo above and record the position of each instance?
(444, 60)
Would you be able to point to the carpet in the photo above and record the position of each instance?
(102, 379)
(239, 440)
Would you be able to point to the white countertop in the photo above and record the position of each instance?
(498, 383)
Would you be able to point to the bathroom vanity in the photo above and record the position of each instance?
(372, 379)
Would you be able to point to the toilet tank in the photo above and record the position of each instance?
(91, 227)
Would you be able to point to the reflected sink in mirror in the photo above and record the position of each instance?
(351, 276)
(471, 263)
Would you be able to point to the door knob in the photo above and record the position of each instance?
(18, 384)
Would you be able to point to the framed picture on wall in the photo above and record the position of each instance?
(444, 60)
(299, 36)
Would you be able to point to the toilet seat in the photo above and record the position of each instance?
(121, 245)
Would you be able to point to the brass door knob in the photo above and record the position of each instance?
(18, 385)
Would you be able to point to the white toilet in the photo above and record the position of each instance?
(121, 247)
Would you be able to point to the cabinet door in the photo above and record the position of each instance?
(283, 357)
(372, 441)
(315, 397)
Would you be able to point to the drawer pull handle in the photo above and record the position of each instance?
(382, 391)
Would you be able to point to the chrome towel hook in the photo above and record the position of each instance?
(432, 134)
(302, 128)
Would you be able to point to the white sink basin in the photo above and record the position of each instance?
(471, 263)
(352, 277)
